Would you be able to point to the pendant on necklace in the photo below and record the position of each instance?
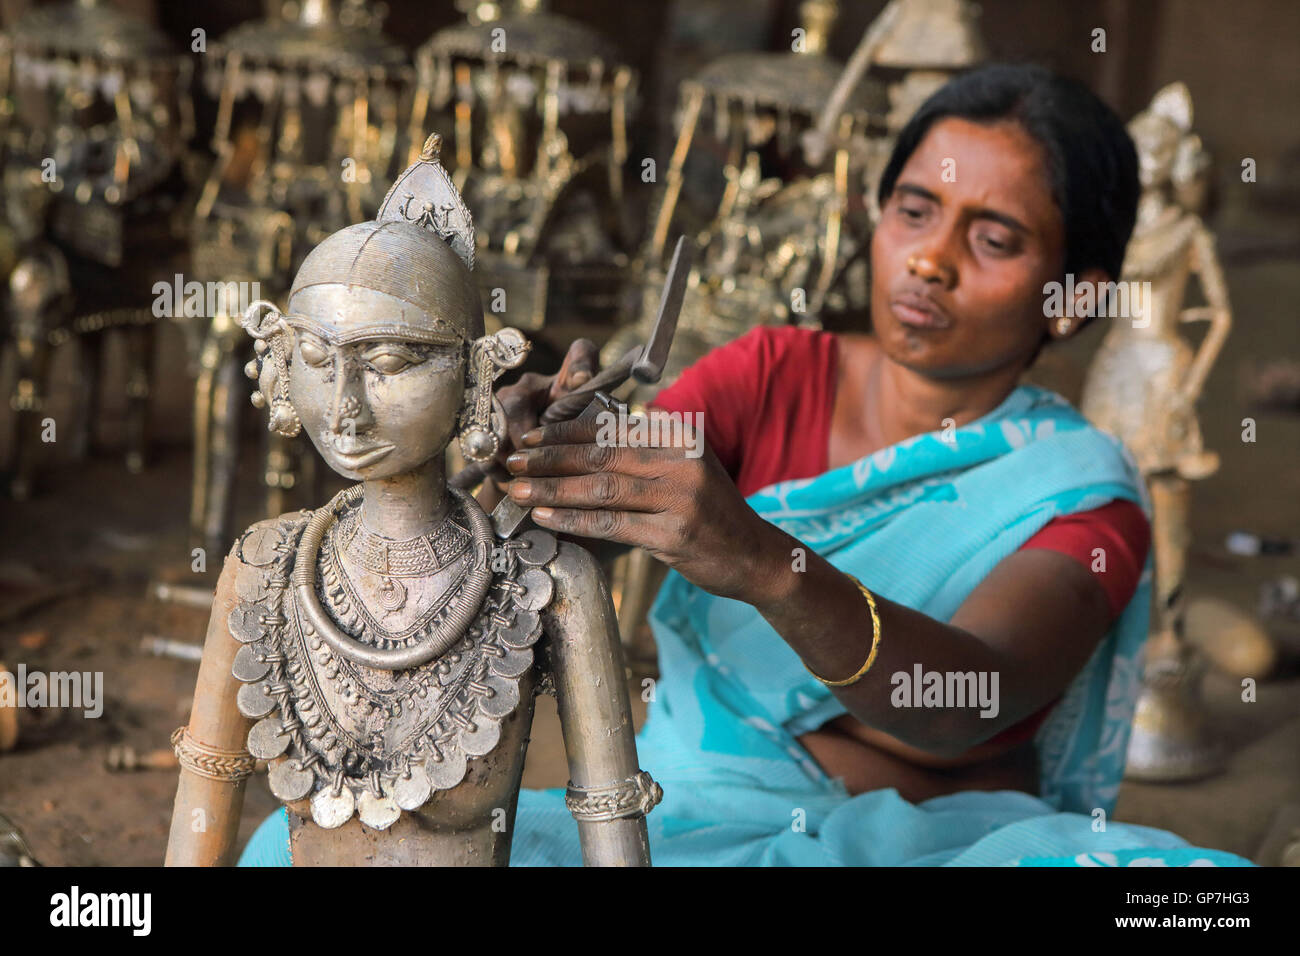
(392, 595)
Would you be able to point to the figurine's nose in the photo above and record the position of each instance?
(350, 409)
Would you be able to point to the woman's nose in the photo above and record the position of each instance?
(930, 267)
(350, 410)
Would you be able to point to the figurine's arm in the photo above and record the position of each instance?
(1206, 265)
(608, 794)
(215, 763)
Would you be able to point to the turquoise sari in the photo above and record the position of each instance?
(920, 523)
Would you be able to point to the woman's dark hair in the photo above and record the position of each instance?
(1090, 157)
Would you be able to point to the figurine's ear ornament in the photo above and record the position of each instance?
(425, 196)
(482, 420)
(265, 323)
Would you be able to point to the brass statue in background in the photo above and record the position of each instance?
(539, 106)
(778, 247)
(94, 116)
(1143, 386)
(379, 651)
(306, 131)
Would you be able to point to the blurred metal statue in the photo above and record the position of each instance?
(35, 309)
(782, 243)
(913, 47)
(383, 651)
(539, 105)
(1143, 386)
(306, 131)
(95, 113)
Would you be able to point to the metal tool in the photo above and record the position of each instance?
(644, 363)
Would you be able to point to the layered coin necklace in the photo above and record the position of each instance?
(361, 720)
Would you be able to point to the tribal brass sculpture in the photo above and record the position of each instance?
(306, 133)
(1143, 386)
(383, 651)
(94, 111)
(539, 106)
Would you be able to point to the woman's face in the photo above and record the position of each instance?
(964, 247)
(379, 407)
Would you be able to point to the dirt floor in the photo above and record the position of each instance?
(103, 536)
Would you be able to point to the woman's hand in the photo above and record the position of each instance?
(526, 399)
(582, 480)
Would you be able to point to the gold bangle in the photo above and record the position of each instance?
(875, 641)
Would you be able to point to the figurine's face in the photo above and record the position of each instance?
(1156, 140)
(377, 407)
(965, 245)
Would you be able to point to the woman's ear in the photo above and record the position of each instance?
(1083, 297)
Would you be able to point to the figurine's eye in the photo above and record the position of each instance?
(390, 359)
(312, 352)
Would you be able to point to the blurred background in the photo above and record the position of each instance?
(217, 141)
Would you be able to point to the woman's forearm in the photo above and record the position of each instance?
(825, 619)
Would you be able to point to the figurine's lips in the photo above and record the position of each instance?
(918, 312)
(355, 460)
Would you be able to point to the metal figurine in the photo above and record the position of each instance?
(777, 247)
(383, 652)
(96, 111)
(1143, 386)
(539, 104)
(35, 305)
(913, 47)
(101, 107)
(306, 133)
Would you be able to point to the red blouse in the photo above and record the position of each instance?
(767, 400)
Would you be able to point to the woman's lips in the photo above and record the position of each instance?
(918, 312)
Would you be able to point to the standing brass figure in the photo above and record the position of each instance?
(1143, 386)
(35, 308)
(380, 651)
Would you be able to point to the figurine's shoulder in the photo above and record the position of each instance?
(267, 541)
(574, 563)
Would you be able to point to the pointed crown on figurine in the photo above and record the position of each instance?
(405, 275)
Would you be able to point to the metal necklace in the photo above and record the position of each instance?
(442, 636)
(365, 741)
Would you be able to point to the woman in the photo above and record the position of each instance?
(910, 594)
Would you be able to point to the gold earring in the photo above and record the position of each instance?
(1063, 326)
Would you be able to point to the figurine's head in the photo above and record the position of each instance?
(1158, 132)
(380, 353)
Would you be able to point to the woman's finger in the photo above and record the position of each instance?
(581, 362)
(604, 490)
(624, 527)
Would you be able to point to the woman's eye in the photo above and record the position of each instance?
(914, 213)
(995, 243)
(312, 353)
